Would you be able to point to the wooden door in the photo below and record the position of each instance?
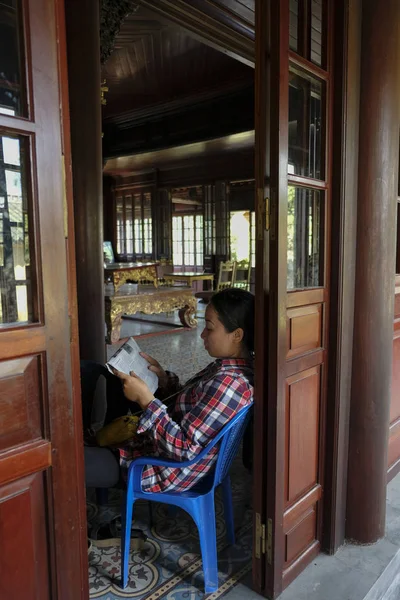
(42, 511)
(293, 108)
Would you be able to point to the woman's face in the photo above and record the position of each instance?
(218, 342)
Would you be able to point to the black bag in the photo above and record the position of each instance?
(117, 404)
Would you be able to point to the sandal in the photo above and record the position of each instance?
(106, 535)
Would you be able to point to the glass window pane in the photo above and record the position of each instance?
(253, 239)
(11, 151)
(12, 84)
(120, 226)
(240, 234)
(316, 31)
(306, 116)
(16, 304)
(293, 24)
(177, 256)
(305, 244)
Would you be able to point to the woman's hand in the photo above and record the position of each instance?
(157, 369)
(135, 389)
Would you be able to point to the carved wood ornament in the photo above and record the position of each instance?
(112, 15)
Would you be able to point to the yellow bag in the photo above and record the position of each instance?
(118, 431)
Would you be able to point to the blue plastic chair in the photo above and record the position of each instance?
(198, 501)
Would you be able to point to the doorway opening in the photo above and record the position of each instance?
(185, 185)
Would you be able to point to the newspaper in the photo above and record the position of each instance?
(127, 358)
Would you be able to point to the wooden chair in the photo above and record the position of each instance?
(242, 275)
(162, 269)
(226, 277)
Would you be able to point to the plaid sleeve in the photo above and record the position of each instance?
(218, 401)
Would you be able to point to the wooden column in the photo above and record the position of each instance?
(162, 224)
(83, 43)
(222, 223)
(375, 269)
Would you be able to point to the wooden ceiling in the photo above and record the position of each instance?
(168, 85)
(154, 62)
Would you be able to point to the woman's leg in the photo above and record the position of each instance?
(101, 467)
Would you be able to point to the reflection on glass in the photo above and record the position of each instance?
(305, 131)
(316, 32)
(15, 256)
(305, 244)
(293, 25)
(12, 88)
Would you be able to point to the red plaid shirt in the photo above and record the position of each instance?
(202, 408)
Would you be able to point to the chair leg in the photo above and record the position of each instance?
(228, 509)
(208, 542)
(126, 538)
(151, 520)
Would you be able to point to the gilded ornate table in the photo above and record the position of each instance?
(189, 277)
(120, 273)
(150, 302)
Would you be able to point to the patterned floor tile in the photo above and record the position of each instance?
(169, 567)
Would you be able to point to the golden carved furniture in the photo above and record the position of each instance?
(189, 277)
(149, 302)
(120, 273)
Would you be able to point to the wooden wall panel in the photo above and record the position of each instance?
(394, 445)
(302, 432)
(394, 430)
(395, 404)
(20, 402)
(25, 545)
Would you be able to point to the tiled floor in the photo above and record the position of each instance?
(180, 351)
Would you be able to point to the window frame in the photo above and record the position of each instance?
(132, 239)
(198, 241)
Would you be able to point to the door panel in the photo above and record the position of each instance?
(302, 438)
(25, 542)
(304, 329)
(42, 510)
(21, 409)
(292, 282)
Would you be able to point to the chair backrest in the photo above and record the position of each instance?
(230, 442)
(226, 275)
(242, 274)
(162, 269)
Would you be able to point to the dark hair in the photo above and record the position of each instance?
(235, 309)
